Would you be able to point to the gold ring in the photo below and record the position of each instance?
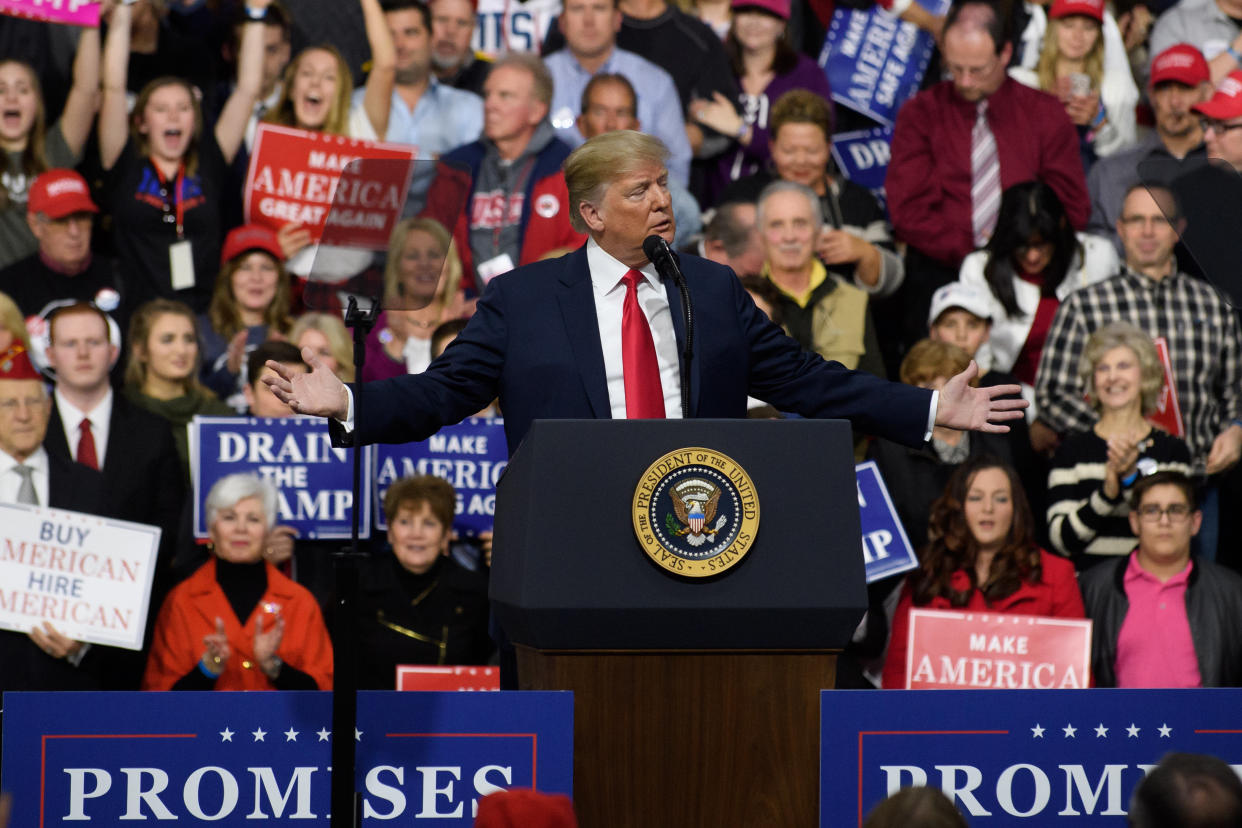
(215, 659)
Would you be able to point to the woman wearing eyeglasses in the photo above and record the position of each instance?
(1093, 470)
(982, 555)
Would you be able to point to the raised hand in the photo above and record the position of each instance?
(216, 651)
(266, 643)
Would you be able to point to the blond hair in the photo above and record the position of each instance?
(593, 166)
(451, 274)
(929, 359)
(333, 330)
(11, 320)
(337, 122)
(1123, 335)
(1046, 69)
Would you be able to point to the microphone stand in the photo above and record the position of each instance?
(669, 267)
(346, 802)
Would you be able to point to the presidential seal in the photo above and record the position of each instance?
(696, 512)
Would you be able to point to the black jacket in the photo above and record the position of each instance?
(1213, 608)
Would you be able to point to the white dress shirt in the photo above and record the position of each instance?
(11, 481)
(72, 418)
(609, 292)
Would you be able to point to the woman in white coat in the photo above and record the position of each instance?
(1031, 263)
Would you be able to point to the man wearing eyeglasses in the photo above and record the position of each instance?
(1199, 328)
(1162, 617)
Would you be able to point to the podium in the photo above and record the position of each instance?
(696, 699)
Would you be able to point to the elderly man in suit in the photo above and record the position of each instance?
(29, 474)
(597, 334)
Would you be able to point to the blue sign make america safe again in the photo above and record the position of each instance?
(1014, 757)
(233, 758)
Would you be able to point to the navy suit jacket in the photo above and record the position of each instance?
(534, 343)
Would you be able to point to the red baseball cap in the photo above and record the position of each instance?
(15, 364)
(523, 808)
(250, 237)
(1182, 63)
(1087, 8)
(1227, 102)
(780, 8)
(59, 193)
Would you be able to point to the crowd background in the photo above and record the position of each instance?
(1040, 200)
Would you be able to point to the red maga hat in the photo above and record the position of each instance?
(15, 364)
(1227, 102)
(59, 193)
(250, 237)
(1087, 8)
(1182, 63)
(523, 808)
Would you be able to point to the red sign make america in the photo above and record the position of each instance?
(954, 649)
(310, 179)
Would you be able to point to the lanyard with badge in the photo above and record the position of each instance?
(502, 262)
(180, 252)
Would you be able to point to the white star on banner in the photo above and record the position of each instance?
(357, 735)
(1070, 730)
(1132, 731)
(259, 734)
(226, 735)
(1037, 732)
(1165, 730)
(291, 735)
(323, 734)
(1101, 732)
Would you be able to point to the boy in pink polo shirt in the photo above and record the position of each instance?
(1163, 618)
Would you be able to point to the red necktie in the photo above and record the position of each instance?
(644, 398)
(86, 446)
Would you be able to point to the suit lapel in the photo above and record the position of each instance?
(679, 328)
(54, 440)
(577, 302)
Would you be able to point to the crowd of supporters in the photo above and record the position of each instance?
(1060, 207)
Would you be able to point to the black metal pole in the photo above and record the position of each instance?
(346, 803)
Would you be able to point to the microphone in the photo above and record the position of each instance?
(665, 261)
(658, 251)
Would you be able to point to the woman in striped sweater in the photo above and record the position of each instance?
(1092, 470)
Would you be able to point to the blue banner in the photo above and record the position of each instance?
(886, 549)
(240, 757)
(1014, 757)
(862, 156)
(471, 455)
(314, 480)
(875, 62)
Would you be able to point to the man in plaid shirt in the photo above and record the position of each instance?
(1200, 328)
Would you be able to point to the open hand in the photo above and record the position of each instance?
(977, 409)
(217, 650)
(266, 643)
(319, 393)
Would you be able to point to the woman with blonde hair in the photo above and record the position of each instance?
(327, 336)
(1099, 95)
(161, 374)
(1088, 513)
(422, 279)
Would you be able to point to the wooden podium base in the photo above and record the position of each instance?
(690, 739)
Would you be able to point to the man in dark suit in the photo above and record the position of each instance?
(44, 660)
(554, 339)
(93, 426)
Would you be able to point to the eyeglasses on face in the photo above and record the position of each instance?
(1151, 513)
(1219, 127)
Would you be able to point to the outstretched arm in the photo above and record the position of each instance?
(83, 101)
(977, 409)
(113, 109)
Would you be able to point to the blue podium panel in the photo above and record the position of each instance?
(232, 758)
(1014, 757)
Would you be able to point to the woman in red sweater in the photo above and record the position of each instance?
(981, 555)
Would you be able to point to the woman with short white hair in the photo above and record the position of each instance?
(237, 623)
